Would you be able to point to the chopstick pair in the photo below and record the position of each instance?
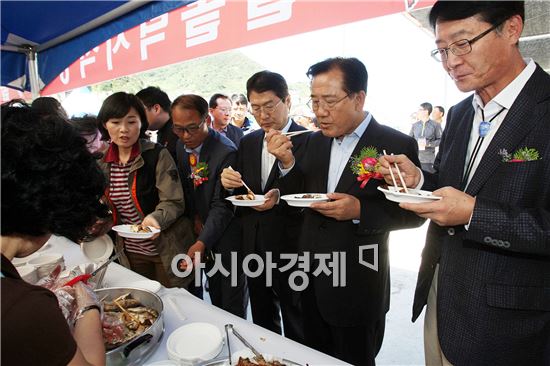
(244, 184)
(295, 133)
(400, 176)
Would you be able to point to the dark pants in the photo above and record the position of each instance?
(357, 345)
(149, 266)
(268, 303)
(231, 297)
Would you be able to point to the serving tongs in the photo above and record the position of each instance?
(85, 277)
(257, 355)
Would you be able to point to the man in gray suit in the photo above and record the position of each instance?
(485, 272)
(202, 154)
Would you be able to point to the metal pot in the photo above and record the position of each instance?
(136, 350)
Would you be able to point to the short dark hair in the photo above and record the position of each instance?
(355, 73)
(213, 103)
(154, 95)
(47, 106)
(493, 12)
(427, 106)
(51, 183)
(118, 105)
(266, 80)
(441, 109)
(239, 99)
(192, 102)
(85, 125)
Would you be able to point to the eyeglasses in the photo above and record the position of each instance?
(268, 108)
(178, 130)
(328, 105)
(224, 110)
(460, 48)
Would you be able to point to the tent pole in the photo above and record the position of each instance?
(33, 71)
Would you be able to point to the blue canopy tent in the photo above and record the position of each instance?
(41, 38)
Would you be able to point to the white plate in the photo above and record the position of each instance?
(126, 232)
(414, 195)
(258, 201)
(98, 250)
(296, 199)
(194, 342)
(163, 363)
(149, 285)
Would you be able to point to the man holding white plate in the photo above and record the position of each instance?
(270, 227)
(346, 321)
(485, 272)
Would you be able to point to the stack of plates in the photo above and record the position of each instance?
(194, 343)
(28, 273)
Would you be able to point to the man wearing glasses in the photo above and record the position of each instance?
(204, 153)
(346, 321)
(485, 272)
(220, 110)
(272, 227)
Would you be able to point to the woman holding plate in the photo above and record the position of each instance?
(144, 189)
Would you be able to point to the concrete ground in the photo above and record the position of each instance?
(403, 343)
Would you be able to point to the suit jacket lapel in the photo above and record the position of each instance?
(458, 149)
(255, 160)
(520, 120)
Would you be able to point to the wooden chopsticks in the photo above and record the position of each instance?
(400, 176)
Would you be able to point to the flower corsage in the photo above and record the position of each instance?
(520, 155)
(366, 165)
(199, 173)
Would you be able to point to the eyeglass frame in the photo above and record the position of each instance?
(257, 109)
(181, 130)
(327, 106)
(438, 52)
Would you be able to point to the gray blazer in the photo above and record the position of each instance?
(493, 300)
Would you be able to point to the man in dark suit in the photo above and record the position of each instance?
(272, 227)
(485, 272)
(344, 320)
(202, 154)
(220, 110)
(157, 109)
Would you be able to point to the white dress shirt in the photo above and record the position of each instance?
(341, 151)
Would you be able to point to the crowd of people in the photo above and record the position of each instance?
(485, 269)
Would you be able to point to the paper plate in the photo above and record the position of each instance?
(258, 201)
(98, 250)
(149, 285)
(304, 199)
(414, 195)
(126, 232)
(194, 342)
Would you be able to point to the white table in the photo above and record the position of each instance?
(193, 309)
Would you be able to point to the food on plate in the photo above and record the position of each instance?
(125, 318)
(256, 362)
(308, 196)
(246, 197)
(139, 228)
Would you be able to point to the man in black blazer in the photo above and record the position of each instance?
(271, 228)
(485, 272)
(202, 154)
(220, 110)
(346, 320)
